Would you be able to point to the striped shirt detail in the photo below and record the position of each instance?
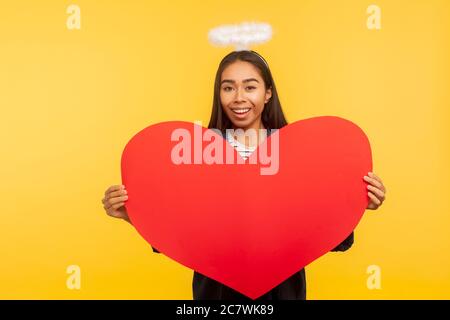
(242, 149)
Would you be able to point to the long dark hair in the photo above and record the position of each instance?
(272, 116)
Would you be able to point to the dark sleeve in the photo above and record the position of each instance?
(346, 244)
(154, 250)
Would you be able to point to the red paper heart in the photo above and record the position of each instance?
(246, 230)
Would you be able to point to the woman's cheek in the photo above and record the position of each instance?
(258, 106)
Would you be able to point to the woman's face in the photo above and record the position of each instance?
(243, 95)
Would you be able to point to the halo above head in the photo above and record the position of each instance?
(241, 36)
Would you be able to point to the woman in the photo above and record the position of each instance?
(245, 97)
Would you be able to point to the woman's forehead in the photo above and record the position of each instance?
(239, 71)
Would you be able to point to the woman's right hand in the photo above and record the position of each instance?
(114, 202)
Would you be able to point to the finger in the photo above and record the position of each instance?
(377, 192)
(114, 188)
(373, 182)
(119, 193)
(112, 211)
(118, 205)
(374, 176)
(115, 194)
(111, 202)
(373, 198)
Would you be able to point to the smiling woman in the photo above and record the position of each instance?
(245, 99)
(245, 95)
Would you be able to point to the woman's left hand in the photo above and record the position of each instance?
(376, 191)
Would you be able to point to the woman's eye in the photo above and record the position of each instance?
(231, 88)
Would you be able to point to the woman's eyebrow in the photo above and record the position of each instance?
(246, 80)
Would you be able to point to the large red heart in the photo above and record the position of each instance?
(246, 230)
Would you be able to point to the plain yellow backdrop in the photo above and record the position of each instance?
(71, 99)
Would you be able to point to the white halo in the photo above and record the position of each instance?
(241, 36)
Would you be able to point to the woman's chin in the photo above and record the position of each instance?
(241, 123)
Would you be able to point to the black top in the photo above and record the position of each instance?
(293, 288)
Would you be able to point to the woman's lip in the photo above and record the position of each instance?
(241, 115)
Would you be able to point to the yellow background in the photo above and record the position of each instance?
(71, 99)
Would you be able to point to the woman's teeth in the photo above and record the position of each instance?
(241, 111)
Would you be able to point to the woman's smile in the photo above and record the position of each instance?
(241, 113)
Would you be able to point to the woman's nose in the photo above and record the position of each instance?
(239, 95)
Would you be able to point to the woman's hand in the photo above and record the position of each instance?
(376, 191)
(114, 201)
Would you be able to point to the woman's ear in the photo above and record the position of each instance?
(268, 95)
